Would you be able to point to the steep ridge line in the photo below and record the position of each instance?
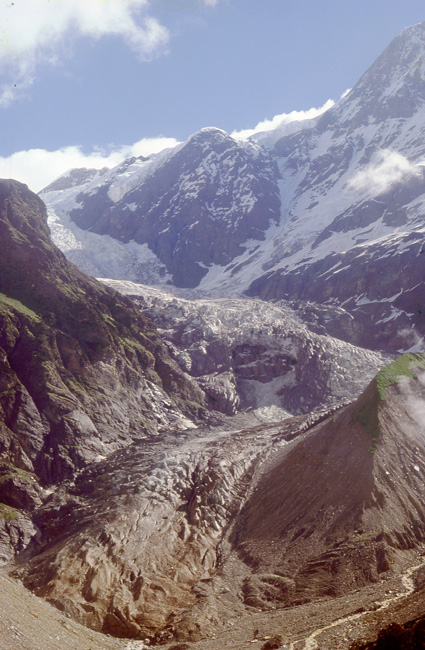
(310, 642)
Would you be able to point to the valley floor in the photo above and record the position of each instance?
(29, 623)
(245, 458)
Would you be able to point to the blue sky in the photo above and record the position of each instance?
(88, 81)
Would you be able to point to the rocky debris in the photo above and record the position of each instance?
(334, 511)
(29, 623)
(352, 521)
(273, 643)
(176, 538)
(129, 545)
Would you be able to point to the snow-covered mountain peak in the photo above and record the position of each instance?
(291, 213)
(413, 33)
(393, 87)
(213, 140)
(75, 178)
(208, 137)
(210, 132)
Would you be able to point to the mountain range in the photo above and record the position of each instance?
(328, 210)
(218, 445)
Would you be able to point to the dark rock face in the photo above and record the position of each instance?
(381, 286)
(196, 209)
(75, 360)
(398, 637)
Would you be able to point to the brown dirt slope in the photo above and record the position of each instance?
(28, 623)
(345, 506)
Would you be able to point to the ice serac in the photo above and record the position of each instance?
(195, 207)
(247, 353)
(75, 358)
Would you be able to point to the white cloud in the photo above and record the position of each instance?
(281, 120)
(38, 31)
(414, 405)
(39, 167)
(386, 168)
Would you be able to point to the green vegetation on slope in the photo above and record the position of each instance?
(8, 513)
(403, 367)
(80, 367)
(18, 306)
(366, 412)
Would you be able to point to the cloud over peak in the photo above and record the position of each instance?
(386, 168)
(281, 120)
(39, 167)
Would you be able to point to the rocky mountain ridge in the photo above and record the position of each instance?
(193, 206)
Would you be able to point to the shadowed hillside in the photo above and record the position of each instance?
(76, 359)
